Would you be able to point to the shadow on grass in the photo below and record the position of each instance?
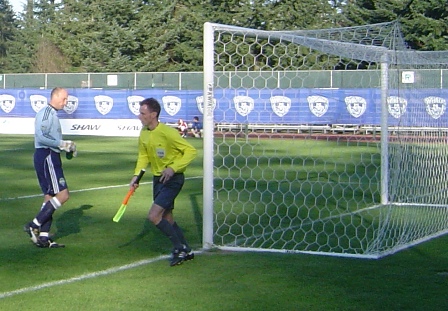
(145, 231)
(197, 215)
(149, 238)
(69, 222)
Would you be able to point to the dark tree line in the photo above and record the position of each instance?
(166, 35)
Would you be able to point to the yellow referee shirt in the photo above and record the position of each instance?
(163, 147)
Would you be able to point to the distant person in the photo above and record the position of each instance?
(196, 128)
(169, 155)
(48, 144)
(182, 126)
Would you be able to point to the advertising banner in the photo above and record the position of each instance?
(115, 112)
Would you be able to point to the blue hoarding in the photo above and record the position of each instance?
(410, 107)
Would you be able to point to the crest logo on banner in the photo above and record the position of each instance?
(243, 104)
(7, 102)
(280, 105)
(435, 106)
(103, 104)
(171, 104)
(200, 103)
(396, 106)
(318, 105)
(134, 103)
(72, 104)
(356, 105)
(38, 102)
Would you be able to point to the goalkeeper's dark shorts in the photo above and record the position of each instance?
(165, 194)
(48, 166)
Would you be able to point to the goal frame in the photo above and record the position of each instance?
(208, 141)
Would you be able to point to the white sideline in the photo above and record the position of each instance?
(81, 277)
(83, 190)
(71, 191)
(86, 276)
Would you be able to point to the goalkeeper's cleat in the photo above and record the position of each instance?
(53, 244)
(178, 257)
(32, 232)
(47, 243)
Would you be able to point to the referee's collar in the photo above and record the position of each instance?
(147, 127)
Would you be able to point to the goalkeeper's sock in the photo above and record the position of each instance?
(47, 211)
(169, 231)
(181, 236)
(45, 227)
(35, 224)
(44, 236)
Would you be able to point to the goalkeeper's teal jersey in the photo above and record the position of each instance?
(47, 131)
(161, 148)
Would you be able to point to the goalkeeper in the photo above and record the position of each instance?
(48, 145)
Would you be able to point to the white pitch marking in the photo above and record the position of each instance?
(71, 191)
(85, 276)
(83, 190)
(81, 277)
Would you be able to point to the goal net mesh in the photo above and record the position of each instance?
(328, 141)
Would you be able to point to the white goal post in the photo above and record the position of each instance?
(329, 142)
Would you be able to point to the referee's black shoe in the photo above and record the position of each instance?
(177, 257)
(189, 255)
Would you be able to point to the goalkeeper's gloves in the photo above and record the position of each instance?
(67, 145)
(73, 150)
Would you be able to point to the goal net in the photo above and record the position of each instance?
(329, 142)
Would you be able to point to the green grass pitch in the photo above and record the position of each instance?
(124, 266)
